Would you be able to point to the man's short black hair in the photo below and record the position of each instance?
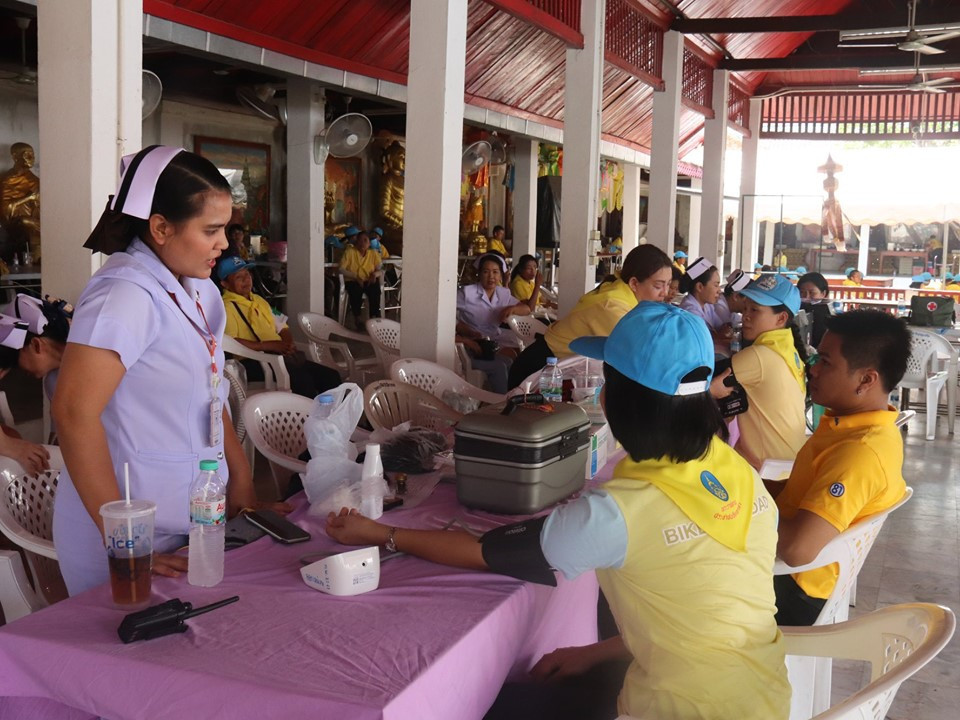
(652, 425)
(496, 228)
(234, 226)
(873, 339)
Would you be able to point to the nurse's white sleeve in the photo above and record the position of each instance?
(586, 534)
(116, 315)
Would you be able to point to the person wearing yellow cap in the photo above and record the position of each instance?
(772, 372)
(682, 538)
(851, 467)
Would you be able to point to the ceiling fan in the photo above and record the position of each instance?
(918, 83)
(916, 38)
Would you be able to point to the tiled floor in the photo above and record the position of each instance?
(917, 559)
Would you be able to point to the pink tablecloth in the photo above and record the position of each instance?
(431, 642)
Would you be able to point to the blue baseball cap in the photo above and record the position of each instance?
(351, 231)
(377, 231)
(849, 271)
(948, 275)
(333, 241)
(229, 265)
(375, 243)
(679, 254)
(801, 270)
(771, 290)
(656, 345)
(757, 266)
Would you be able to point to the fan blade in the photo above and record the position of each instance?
(919, 47)
(943, 37)
(929, 89)
(940, 81)
(866, 45)
(873, 33)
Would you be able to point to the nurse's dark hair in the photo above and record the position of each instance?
(687, 283)
(875, 340)
(642, 262)
(8, 358)
(182, 189)
(817, 280)
(652, 425)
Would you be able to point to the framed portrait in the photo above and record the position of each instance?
(246, 166)
(341, 197)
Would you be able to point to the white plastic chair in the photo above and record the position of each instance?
(6, 415)
(385, 337)
(397, 264)
(526, 328)
(388, 403)
(925, 372)
(897, 641)
(275, 372)
(436, 379)
(465, 367)
(812, 680)
(236, 374)
(324, 350)
(26, 518)
(274, 421)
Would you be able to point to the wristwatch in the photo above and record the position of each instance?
(391, 545)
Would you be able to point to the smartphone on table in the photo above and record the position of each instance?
(277, 526)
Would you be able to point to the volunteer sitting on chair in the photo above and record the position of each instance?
(32, 457)
(251, 322)
(360, 267)
(682, 538)
(730, 305)
(854, 278)
(525, 281)
(851, 467)
(645, 275)
(771, 369)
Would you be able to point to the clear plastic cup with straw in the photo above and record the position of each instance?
(128, 537)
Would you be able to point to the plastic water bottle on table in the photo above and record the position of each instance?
(551, 381)
(208, 522)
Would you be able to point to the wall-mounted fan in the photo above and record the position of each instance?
(346, 136)
(263, 99)
(475, 156)
(916, 38)
(24, 75)
(152, 92)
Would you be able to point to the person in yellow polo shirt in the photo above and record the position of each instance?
(682, 540)
(251, 322)
(645, 275)
(495, 242)
(525, 282)
(360, 267)
(851, 467)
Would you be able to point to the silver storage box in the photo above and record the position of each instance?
(520, 463)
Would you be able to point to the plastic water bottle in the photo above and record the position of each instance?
(208, 523)
(551, 381)
(837, 307)
(372, 485)
(895, 398)
(324, 407)
(901, 308)
(736, 340)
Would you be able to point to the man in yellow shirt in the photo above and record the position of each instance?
(495, 243)
(851, 467)
(360, 267)
(252, 323)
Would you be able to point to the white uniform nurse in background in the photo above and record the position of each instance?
(140, 380)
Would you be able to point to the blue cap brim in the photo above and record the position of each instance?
(762, 298)
(590, 346)
(245, 266)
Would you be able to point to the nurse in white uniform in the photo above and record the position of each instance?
(140, 380)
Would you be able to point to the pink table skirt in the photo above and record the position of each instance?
(431, 642)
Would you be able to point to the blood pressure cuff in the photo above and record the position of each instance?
(515, 550)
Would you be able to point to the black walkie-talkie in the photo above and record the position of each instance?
(163, 619)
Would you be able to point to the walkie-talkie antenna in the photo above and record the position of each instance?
(207, 608)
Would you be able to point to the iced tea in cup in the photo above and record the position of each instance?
(128, 537)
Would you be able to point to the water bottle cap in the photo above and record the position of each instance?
(326, 399)
(551, 361)
(209, 465)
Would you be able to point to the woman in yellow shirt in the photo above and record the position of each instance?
(525, 282)
(645, 275)
(854, 278)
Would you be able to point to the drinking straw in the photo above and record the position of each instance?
(132, 559)
(126, 481)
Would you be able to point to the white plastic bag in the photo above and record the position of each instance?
(332, 471)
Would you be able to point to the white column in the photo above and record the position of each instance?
(631, 207)
(525, 197)
(305, 276)
(664, 146)
(438, 41)
(863, 249)
(748, 189)
(696, 208)
(583, 84)
(714, 157)
(90, 58)
(769, 235)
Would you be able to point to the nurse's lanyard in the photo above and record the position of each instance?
(210, 341)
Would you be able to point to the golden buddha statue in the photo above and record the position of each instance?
(391, 190)
(20, 200)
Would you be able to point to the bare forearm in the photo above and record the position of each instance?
(455, 548)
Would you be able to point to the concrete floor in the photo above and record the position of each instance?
(916, 558)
